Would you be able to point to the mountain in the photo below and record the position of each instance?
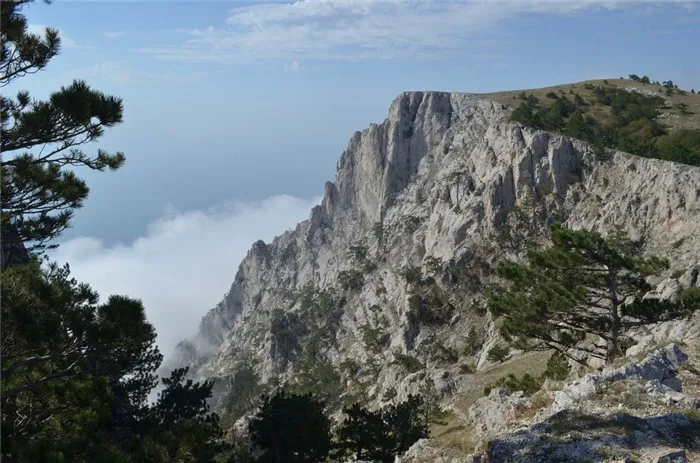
(379, 293)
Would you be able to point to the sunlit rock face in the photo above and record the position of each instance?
(427, 185)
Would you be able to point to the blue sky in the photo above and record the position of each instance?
(229, 105)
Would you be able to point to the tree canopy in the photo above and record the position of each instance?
(585, 286)
(76, 371)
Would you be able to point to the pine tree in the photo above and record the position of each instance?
(291, 428)
(383, 434)
(41, 140)
(583, 286)
(76, 373)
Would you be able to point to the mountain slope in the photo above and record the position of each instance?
(382, 285)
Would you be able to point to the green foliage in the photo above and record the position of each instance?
(351, 280)
(40, 190)
(412, 275)
(475, 341)
(558, 367)
(76, 373)
(678, 273)
(378, 232)
(527, 384)
(407, 362)
(498, 353)
(429, 307)
(583, 284)
(633, 125)
(467, 368)
(431, 410)
(317, 377)
(291, 428)
(434, 266)
(243, 389)
(526, 224)
(376, 339)
(410, 224)
(383, 434)
(287, 330)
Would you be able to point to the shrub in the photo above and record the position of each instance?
(291, 428)
(407, 362)
(557, 367)
(390, 394)
(412, 275)
(527, 384)
(498, 353)
(411, 224)
(467, 368)
(378, 232)
(475, 341)
(383, 434)
(352, 279)
(552, 95)
(678, 273)
(375, 339)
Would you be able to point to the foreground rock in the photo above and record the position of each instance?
(629, 413)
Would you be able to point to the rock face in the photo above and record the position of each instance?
(619, 414)
(424, 190)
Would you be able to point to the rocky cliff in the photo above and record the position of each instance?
(383, 281)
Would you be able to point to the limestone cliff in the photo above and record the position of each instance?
(415, 199)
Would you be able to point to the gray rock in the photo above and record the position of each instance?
(673, 456)
(439, 174)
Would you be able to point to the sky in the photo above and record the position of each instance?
(236, 112)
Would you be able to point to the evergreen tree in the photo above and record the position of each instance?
(76, 373)
(291, 428)
(383, 434)
(41, 140)
(584, 284)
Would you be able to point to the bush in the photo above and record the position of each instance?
(475, 341)
(375, 339)
(352, 279)
(467, 368)
(411, 224)
(383, 434)
(407, 362)
(498, 353)
(527, 384)
(412, 275)
(243, 389)
(678, 273)
(291, 428)
(633, 127)
(557, 367)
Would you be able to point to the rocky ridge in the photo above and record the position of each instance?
(369, 279)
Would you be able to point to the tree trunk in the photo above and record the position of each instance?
(614, 331)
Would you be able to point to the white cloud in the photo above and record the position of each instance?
(66, 42)
(115, 35)
(358, 29)
(185, 262)
(294, 66)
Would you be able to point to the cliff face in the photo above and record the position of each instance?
(429, 184)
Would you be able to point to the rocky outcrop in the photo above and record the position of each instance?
(630, 413)
(422, 192)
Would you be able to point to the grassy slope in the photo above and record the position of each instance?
(675, 120)
(454, 433)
